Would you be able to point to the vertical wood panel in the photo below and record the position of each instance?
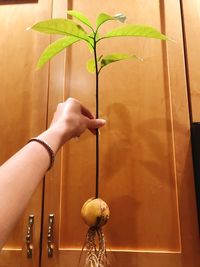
(190, 243)
(23, 108)
(191, 19)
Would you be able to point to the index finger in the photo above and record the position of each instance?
(86, 112)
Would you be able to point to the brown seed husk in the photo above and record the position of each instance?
(95, 212)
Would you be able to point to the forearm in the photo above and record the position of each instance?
(21, 174)
(19, 178)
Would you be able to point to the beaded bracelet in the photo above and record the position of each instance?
(48, 148)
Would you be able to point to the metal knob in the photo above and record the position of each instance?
(29, 236)
(50, 236)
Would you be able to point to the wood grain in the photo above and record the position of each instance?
(191, 23)
(23, 108)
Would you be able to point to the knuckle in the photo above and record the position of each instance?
(59, 105)
(70, 99)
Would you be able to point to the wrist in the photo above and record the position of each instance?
(47, 147)
(54, 136)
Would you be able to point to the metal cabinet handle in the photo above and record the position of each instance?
(29, 236)
(50, 236)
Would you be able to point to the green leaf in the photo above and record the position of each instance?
(61, 26)
(102, 18)
(114, 58)
(137, 31)
(81, 17)
(91, 65)
(90, 47)
(54, 48)
(91, 39)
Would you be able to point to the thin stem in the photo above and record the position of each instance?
(97, 116)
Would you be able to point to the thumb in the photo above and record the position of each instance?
(94, 124)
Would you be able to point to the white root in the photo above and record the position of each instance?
(96, 254)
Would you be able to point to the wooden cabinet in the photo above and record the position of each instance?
(23, 108)
(191, 19)
(146, 173)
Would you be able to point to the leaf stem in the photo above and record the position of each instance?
(97, 116)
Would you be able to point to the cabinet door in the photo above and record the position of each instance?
(23, 105)
(191, 17)
(146, 174)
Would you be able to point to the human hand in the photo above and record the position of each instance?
(72, 119)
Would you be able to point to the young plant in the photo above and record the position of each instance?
(95, 212)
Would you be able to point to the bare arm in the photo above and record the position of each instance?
(21, 174)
